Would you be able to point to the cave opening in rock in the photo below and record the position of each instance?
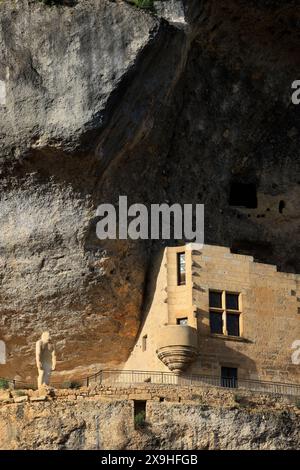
(281, 206)
(260, 250)
(243, 195)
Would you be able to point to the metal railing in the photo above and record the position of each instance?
(15, 384)
(130, 377)
(127, 377)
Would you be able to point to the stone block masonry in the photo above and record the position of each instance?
(266, 318)
(209, 395)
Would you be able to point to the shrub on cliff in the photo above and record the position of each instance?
(51, 2)
(140, 420)
(72, 384)
(148, 4)
(4, 385)
(58, 2)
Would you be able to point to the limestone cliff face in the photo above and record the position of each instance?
(82, 85)
(179, 418)
(101, 99)
(109, 425)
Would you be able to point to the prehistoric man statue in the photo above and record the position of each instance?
(45, 359)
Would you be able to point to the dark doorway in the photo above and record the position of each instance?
(229, 377)
(139, 407)
(243, 195)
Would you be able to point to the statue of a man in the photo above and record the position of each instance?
(45, 359)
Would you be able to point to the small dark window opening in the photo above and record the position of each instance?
(243, 195)
(281, 207)
(180, 269)
(161, 399)
(229, 377)
(182, 321)
(144, 343)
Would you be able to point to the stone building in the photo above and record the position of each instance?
(221, 315)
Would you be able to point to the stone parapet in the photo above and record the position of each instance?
(206, 395)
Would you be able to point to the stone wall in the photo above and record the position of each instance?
(176, 418)
(269, 319)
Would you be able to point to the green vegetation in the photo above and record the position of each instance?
(57, 2)
(19, 393)
(139, 420)
(298, 403)
(4, 384)
(238, 398)
(241, 401)
(73, 384)
(147, 4)
(51, 2)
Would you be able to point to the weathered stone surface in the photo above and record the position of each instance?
(106, 424)
(102, 99)
(61, 66)
(5, 396)
(21, 399)
(238, 124)
(40, 398)
(72, 75)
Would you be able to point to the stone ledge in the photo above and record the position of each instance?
(187, 394)
(21, 399)
(40, 398)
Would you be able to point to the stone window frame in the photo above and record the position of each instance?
(181, 275)
(224, 311)
(144, 342)
(182, 319)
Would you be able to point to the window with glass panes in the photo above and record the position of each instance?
(180, 269)
(225, 313)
